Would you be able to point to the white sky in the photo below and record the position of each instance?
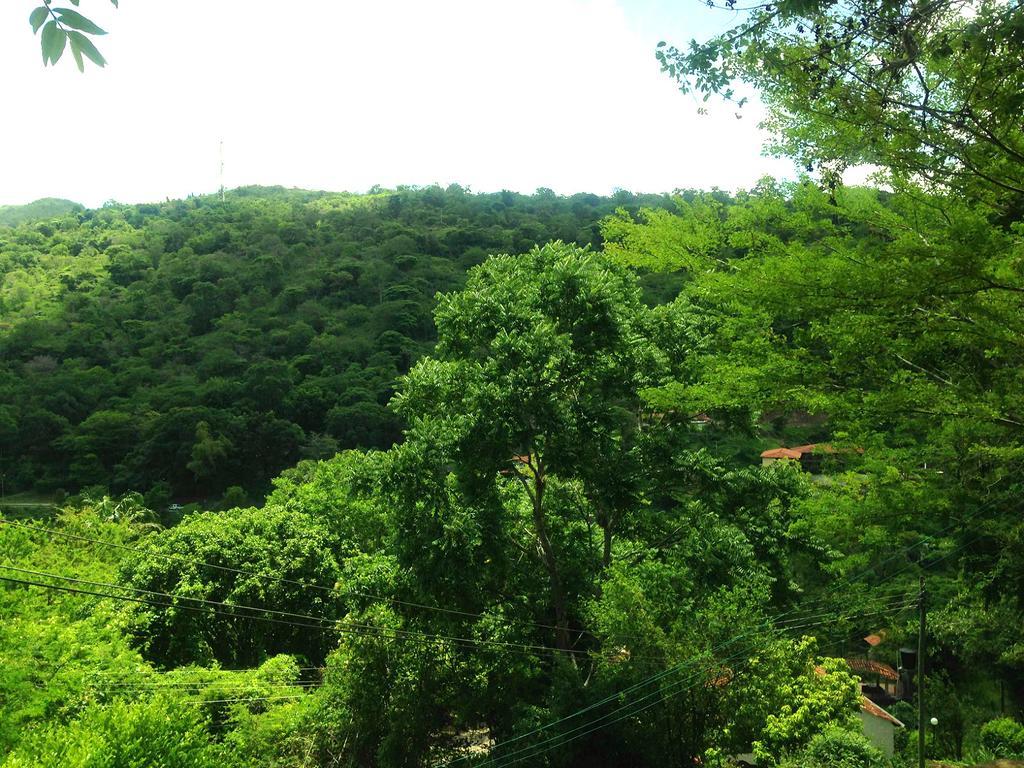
(342, 95)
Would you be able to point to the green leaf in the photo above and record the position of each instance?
(53, 41)
(84, 44)
(114, 3)
(37, 18)
(75, 20)
(76, 51)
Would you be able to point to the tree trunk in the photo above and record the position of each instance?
(606, 558)
(558, 601)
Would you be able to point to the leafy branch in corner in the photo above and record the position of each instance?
(62, 27)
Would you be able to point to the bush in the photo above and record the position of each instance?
(234, 497)
(157, 733)
(1004, 738)
(839, 748)
(266, 558)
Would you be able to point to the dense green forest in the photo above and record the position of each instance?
(477, 480)
(186, 348)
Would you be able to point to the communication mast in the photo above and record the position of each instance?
(222, 170)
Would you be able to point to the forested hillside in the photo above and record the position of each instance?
(46, 208)
(185, 348)
(554, 539)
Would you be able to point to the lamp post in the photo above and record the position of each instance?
(920, 675)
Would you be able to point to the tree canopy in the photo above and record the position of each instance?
(929, 91)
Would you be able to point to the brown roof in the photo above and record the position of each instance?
(867, 705)
(781, 453)
(797, 451)
(868, 667)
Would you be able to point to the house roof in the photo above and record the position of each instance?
(781, 453)
(869, 667)
(868, 706)
(799, 450)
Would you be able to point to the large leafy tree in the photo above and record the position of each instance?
(533, 396)
(895, 319)
(219, 572)
(931, 91)
(889, 324)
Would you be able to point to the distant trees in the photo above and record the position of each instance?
(271, 319)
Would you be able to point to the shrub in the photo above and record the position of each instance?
(157, 733)
(839, 748)
(1004, 738)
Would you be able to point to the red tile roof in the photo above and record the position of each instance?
(867, 705)
(781, 453)
(868, 667)
(797, 451)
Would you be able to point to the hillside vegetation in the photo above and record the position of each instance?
(572, 553)
(552, 540)
(184, 348)
(45, 208)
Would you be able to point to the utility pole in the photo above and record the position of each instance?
(920, 673)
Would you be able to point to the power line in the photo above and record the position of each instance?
(667, 693)
(902, 553)
(205, 670)
(673, 689)
(664, 694)
(255, 698)
(250, 685)
(398, 634)
(322, 624)
(334, 590)
(661, 675)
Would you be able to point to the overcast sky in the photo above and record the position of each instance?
(342, 95)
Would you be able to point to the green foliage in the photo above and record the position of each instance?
(204, 345)
(56, 645)
(1004, 738)
(64, 26)
(161, 731)
(837, 748)
(256, 559)
(879, 325)
(819, 697)
(931, 93)
(566, 520)
(45, 208)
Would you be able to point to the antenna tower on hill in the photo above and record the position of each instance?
(222, 170)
